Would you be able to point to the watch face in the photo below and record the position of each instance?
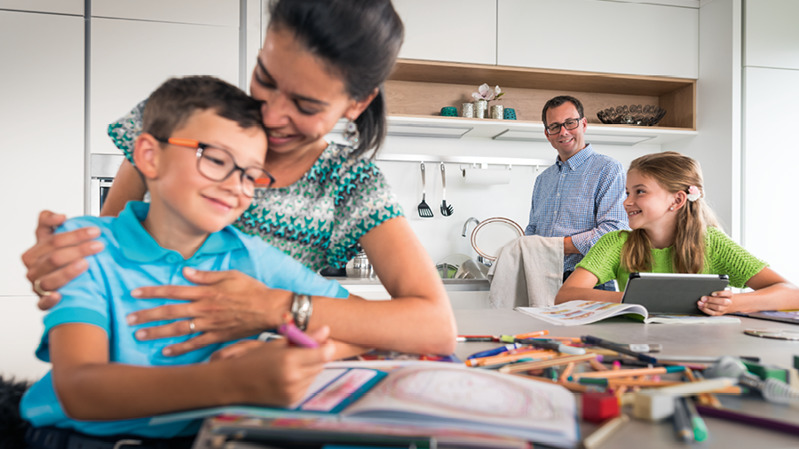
(779, 334)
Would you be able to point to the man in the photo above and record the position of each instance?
(580, 197)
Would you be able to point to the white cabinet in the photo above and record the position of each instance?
(206, 12)
(54, 6)
(771, 38)
(130, 58)
(449, 30)
(599, 36)
(41, 136)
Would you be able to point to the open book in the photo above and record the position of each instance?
(434, 397)
(575, 313)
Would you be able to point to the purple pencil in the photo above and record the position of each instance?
(752, 420)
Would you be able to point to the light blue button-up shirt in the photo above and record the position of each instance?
(101, 297)
(582, 198)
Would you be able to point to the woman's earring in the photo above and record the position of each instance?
(671, 208)
(351, 134)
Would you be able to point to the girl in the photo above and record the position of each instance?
(674, 231)
(322, 60)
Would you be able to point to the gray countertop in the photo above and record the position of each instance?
(677, 339)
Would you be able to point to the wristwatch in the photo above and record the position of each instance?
(301, 309)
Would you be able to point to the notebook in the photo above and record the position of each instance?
(430, 397)
(668, 293)
(783, 316)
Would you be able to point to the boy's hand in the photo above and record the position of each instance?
(56, 259)
(718, 303)
(274, 373)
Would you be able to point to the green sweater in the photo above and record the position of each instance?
(723, 256)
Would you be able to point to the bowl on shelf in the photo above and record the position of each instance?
(634, 114)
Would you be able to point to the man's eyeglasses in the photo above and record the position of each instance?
(569, 124)
(217, 164)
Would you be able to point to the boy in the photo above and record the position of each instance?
(201, 155)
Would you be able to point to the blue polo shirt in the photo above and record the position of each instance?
(101, 297)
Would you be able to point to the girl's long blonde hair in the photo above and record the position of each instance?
(675, 173)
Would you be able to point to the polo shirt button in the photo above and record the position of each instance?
(173, 258)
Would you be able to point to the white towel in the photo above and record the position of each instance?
(527, 273)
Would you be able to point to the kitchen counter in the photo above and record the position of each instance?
(463, 293)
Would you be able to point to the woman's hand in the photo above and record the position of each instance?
(56, 259)
(223, 306)
(718, 303)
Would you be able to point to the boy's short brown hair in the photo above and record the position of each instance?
(172, 103)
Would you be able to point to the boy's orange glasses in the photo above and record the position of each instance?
(217, 164)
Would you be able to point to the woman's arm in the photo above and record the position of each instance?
(580, 285)
(228, 305)
(418, 318)
(771, 292)
(91, 388)
(127, 186)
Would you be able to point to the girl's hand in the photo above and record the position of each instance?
(718, 303)
(56, 259)
(224, 306)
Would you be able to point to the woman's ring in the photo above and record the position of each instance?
(191, 325)
(37, 288)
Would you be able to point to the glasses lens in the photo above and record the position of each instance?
(571, 123)
(215, 164)
(554, 128)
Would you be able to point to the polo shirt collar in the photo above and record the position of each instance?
(136, 244)
(578, 159)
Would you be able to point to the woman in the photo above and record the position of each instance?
(321, 60)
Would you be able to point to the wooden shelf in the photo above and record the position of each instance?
(418, 89)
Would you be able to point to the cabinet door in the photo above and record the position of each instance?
(772, 36)
(449, 30)
(56, 6)
(208, 12)
(41, 136)
(599, 36)
(130, 58)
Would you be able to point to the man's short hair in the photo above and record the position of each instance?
(559, 100)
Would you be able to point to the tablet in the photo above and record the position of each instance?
(669, 293)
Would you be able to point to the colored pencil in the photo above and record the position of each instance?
(541, 364)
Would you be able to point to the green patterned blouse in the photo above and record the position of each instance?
(723, 256)
(319, 219)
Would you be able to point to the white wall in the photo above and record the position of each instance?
(770, 159)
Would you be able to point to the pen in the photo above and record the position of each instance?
(596, 341)
(700, 429)
(752, 420)
(682, 426)
(555, 346)
(477, 338)
(494, 351)
(632, 372)
(297, 337)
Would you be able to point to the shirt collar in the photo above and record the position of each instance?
(136, 244)
(578, 159)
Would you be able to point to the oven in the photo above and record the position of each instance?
(103, 169)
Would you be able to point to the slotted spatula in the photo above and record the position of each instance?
(424, 209)
(446, 209)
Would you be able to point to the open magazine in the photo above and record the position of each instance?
(429, 397)
(575, 313)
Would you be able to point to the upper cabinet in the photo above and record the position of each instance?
(72, 7)
(132, 55)
(207, 12)
(599, 36)
(449, 30)
(770, 39)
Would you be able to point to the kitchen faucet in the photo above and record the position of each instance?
(466, 224)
